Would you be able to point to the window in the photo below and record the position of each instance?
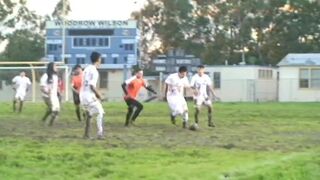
(265, 74)
(304, 78)
(103, 60)
(309, 78)
(52, 47)
(88, 42)
(315, 78)
(103, 79)
(75, 42)
(81, 60)
(106, 42)
(115, 60)
(217, 80)
(128, 47)
(91, 32)
(80, 42)
(100, 42)
(93, 42)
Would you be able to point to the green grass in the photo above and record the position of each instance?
(251, 141)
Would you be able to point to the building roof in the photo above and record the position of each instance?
(302, 59)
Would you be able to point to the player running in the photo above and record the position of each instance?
(90, 98)
(131, 88)
(76, 86)
(202, 88)
(174, 94)
(21, 85)
(49, 89)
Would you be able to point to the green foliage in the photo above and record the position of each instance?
(24, 45)
(220, 30)
(251, 141)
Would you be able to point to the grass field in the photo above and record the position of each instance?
(251, 141)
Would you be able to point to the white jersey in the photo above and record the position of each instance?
(201, 83)
(90, 77)
(51, 87)
(21, 83)
(176, 84)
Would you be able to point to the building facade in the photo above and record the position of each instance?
(117, 41)
(244, 83)
(299, 78)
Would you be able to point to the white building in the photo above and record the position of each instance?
(299, 78)
(244, 83)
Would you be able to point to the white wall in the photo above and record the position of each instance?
(241, 83)
(289, 87)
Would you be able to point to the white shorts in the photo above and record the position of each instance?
(20, 95)
(55, 103)
(177, 104)
(91, 104)
(201, 100)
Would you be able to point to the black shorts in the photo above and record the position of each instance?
(76, 98)
(132, 102)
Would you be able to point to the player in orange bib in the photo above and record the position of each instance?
(131, 88)
(76, 86)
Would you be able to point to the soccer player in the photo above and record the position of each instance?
(202, 88)
(174, 94)
(131, 88)
(49, 89)
(76, 85)
(90, 98)
(21, 85)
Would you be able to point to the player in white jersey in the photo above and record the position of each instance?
(49, 89)
(90, 98)
(21, 85)
(174, 94)
(202, 88)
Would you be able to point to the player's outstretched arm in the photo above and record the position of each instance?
(150, 88)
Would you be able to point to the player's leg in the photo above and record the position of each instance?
(129, 112)
(139, 108)
(173, 107)
(185, 114)
(21, 99)
(55, 109)
(208, 103)
(87, 127)
(99, 110)
(48, 111)
(76, 101)
(14, 108)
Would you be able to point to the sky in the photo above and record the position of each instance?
(91, 9)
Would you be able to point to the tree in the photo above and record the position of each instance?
(61, 10)
(262, 31)
(24, 45)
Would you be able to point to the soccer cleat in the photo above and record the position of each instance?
(173, 119)
(100, 137)
(211, 124)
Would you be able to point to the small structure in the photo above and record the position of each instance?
(244, 83)
(176, 57)
(299, 78)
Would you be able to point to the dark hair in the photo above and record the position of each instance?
(77, 66)
(200, 66)
(95, 57)
(50, 72)
(137, 70)
(183, 69)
